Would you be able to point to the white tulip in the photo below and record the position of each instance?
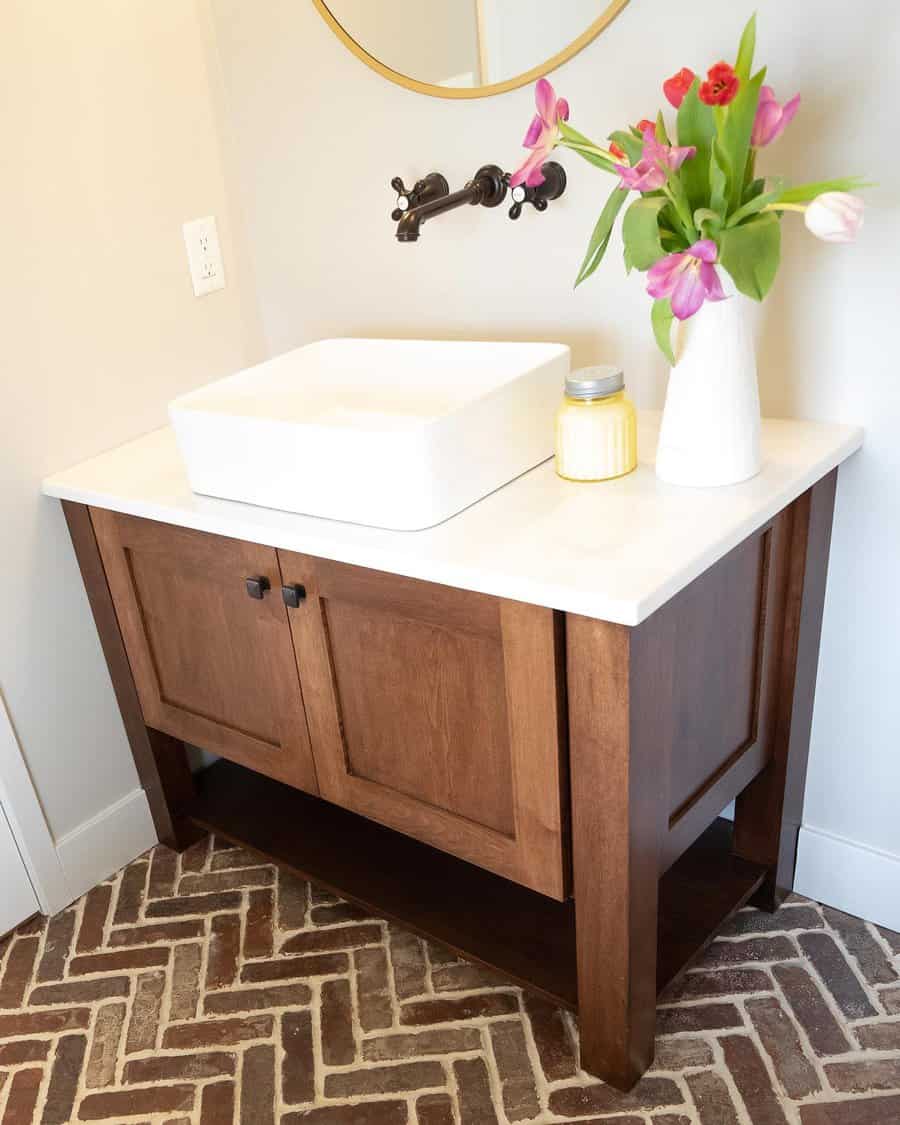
(835, 216)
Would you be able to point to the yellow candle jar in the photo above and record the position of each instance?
(596, 426)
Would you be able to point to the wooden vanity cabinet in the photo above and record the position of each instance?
(432, 710)
(212, 665)
(436, 711)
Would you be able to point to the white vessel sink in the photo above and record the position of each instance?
(399, 434)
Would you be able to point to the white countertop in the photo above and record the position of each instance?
(616, 550)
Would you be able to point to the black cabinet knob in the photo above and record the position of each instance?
(293, 595)
(257, 586)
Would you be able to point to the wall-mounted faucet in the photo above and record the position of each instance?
(488, 188)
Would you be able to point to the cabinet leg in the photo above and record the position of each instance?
(161, 760)
(617, 693)
(769, 811)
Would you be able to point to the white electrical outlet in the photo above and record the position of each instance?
(204, 255)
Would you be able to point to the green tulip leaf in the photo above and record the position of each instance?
(697, 127)
(707, 222)
(661, 317)
(718, 179)
(661, 135)
(601, 235)
(751, 253)
(736, 133)
(578, 142)
(755, 205)
(640, 231)
(744, 63)
(805, 193)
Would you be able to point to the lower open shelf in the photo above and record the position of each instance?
(522, 934)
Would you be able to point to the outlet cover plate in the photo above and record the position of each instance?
(201, 238)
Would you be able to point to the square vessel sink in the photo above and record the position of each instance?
(399, 434)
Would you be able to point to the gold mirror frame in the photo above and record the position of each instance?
(603, 21)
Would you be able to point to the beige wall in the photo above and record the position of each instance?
(320, 136)
(109, 144)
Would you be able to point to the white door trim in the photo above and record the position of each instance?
(29, 826)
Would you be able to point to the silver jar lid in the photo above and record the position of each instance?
(595, 382)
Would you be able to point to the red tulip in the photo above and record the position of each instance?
(643, 125)
(678, 85)
(721, 85)
(617, 152)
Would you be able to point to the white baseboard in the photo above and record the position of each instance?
(95, 849)
(849, 876)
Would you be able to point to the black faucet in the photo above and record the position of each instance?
(432, 196)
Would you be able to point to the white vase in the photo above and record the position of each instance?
(709, 434)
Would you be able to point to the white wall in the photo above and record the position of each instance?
(318, 137)
(109, 143)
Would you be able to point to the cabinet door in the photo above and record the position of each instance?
(213, 665)
(435, 711)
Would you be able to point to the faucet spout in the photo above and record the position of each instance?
(487, 189)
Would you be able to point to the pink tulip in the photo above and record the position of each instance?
(835, 216)
(543, 134)
(657, 160)
(772, 118)
(688, 277)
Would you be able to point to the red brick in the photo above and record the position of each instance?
(258, 1086)
(131, 893)
(552, 1039)
(292, 901)
(258, 999)
(181, 1067)
(222, 951)
(407, 954)
(17, 974)
(44, 1023)
(155, 932)
(93, 919)
(163, 873)
(218, 1033)
(868, 953)
(435, 1109)
(230, 858)
(21, 1101)
(185, 982)
(338, 937)
(782, 1044)
(79, 991)
(680, 1053)
(839, 978)
(890, 1000)
(811, 1011)
(66, 1071)
(649, 1093)
(465, 977)
(143, 1027)
(101, 1067)
(697, 1017)
(712, 1099)
(752, 1080)
(215, 881)
(435, 1041)
(336, 1018)
(787, 919)
(295, 968)
(728, 982)
(194, 859)
(57, 947)
(23, 1051)
(217, 1104)
(258, 930)
(879, 1036)
(365, 1113)
(763, 949)
(193, 904)
(865, 1076)
(298, 1068)
(145, 957)
(385, 1079)
(125, 1103)
(517, 1085)
(332, 914)
(372, 989)
(447, 1009)
(857, 1111)
(474, 1092)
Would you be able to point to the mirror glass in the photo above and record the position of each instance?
(462, 48)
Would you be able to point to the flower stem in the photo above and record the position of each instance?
(681, 210)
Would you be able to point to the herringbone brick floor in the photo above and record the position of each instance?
(212, 989)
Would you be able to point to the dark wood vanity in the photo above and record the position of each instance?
(536, 789)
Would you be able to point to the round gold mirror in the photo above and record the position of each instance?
(466, 48)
